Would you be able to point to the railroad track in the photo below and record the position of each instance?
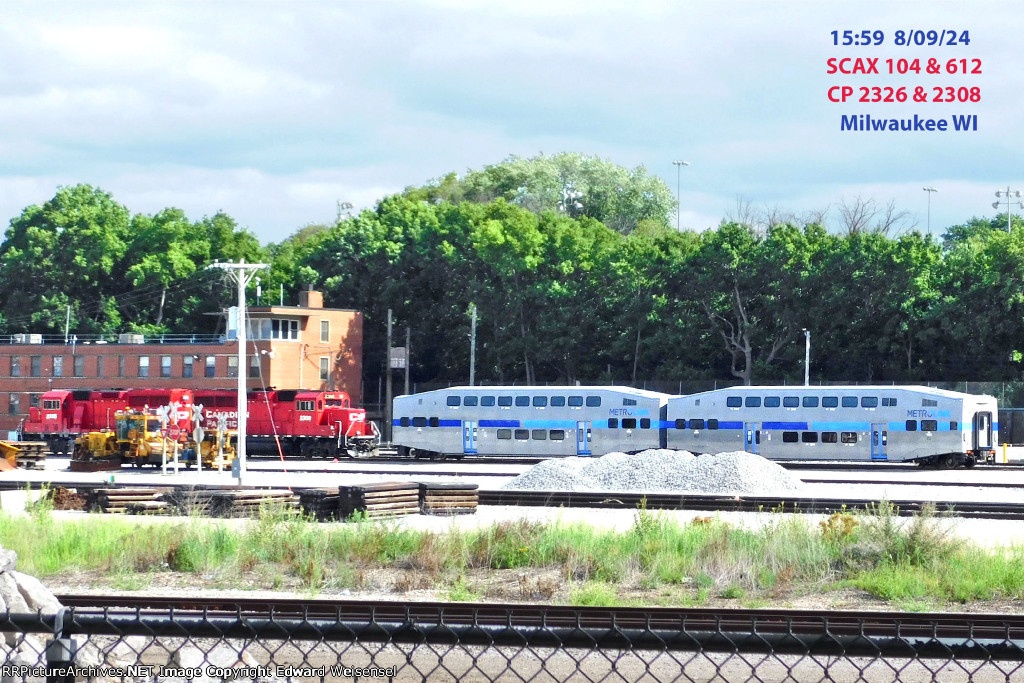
(871, 633)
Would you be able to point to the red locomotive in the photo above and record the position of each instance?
(292, 422)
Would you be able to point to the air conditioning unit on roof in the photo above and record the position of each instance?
(28, 339)
(131, 339)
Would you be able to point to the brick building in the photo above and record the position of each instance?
(289, 347)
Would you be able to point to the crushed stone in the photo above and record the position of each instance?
(660, 469)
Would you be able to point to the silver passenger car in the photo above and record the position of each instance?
(880, 423)
(540, 421)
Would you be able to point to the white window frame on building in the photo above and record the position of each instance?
(254, 366)
(186, 366)
(14, 404)
(58, 366)
(15, 366)
(325, 368)
(165, 366)
(78, 364)
(99, 366)
(232, 366)
(284, 329)
(121, 363)
(325, 331)
(211, 367)
(143, 366)
(34, 400)
(35, 366)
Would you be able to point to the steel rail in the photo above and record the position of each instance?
(736, 503)
(779, 631)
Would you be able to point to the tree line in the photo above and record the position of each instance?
(575, 273)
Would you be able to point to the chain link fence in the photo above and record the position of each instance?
(452, 642)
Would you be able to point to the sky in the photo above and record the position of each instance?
(275, 112)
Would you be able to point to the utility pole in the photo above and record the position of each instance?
(472, 346)
(242, 273)
(387, 397)
(929, 190)
(807, 357)
(408, 359)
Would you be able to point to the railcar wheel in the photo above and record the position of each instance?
(949, 461)
(970, 462)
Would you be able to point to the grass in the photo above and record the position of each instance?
(910, 562)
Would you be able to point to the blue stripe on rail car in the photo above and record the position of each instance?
(724, 424)
(550, 424)
(498, 423)
(449, 423)
(783, 425)
(841, 426)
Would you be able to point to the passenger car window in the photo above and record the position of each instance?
(558, 435)
(911, 425)
(680, 424)
(419, 422)
(404, 422)
(849, 401)
(772, 401)
(433, 422)
(557, 401)
(540, 401)
(522, 401)
(929, 425)
(868, 401)
(613, 423)
(504, 401)
(539, 434)
(809, 437)
(469, 400)
(486, 401)
(791, 402)
(575, 401)
(629, 423)
(504, 433)
(645, 423)
(829, 437)
(810, 401)
(789, 437)
(712, 423)
(593, 401)
(848, 437)
(522, 434)
(697, 424)
(734, 401)
(753, 401)
(454, 400)
(829, 402)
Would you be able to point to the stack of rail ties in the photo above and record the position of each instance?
(230, 502)
(320, 504)
(127, 499)
(449, 499)
(387, 499)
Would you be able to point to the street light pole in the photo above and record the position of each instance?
(929, 190)
(679, 167)
(241, 273)
(1010, 195)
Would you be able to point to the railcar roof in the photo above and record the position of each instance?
(825, 388)
(549, 389)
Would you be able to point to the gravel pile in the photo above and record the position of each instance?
(660, 469)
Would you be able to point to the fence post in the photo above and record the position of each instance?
(60, 652)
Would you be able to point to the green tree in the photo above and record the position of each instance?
(65, 253)
(576, 185)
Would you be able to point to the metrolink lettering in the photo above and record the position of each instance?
(920, 413)
(915, 124)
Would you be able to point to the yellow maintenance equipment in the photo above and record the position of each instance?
(8, 454)
(137, 439)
